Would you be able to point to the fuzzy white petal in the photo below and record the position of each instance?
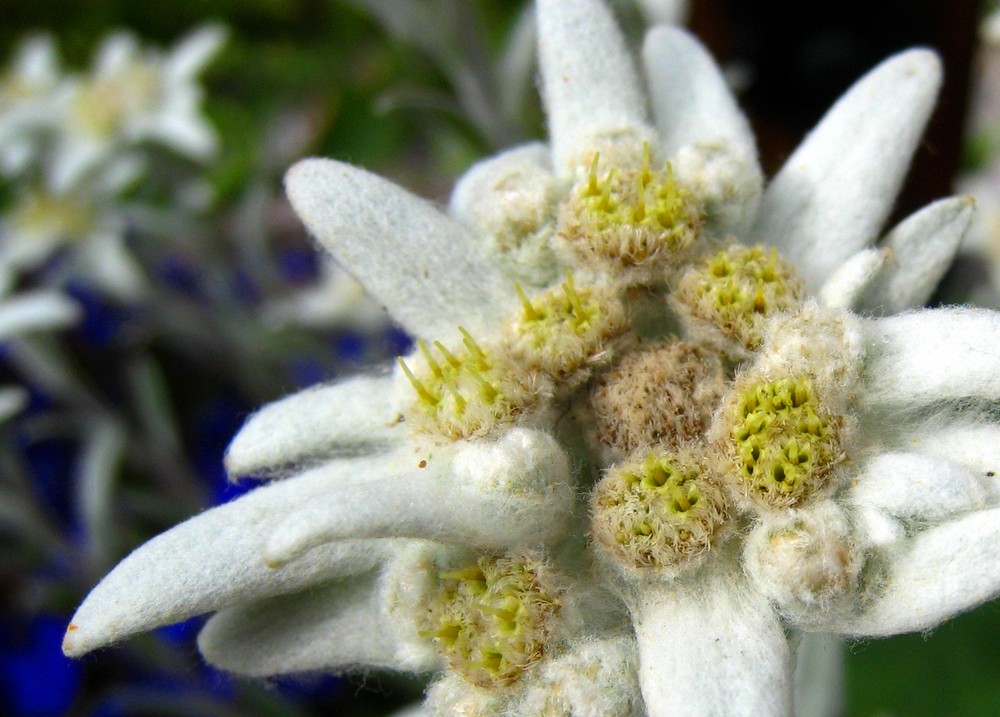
(590, 87)
(701, 127)
(711, 645)
(36, 310)
(351, 417)
(929, 356)
(187, 133)
(425, 268)
(105, 260)
(940, 573)
(849, 282)
(922, 247)
(911, 486)
(334, 628)
(975, 445)
(215, 559)
(193, 52)
(103, 450)
(512, 493)
(832, 196)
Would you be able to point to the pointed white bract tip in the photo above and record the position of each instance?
(701, 128)
(922, 247)
(214, 559)
(845, 287)
(36, 310)
(421, 265)
(345, 419)
(73, 645)
(590, 87)
(837, 189)
(195, 50)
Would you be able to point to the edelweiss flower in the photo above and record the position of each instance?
(26, 101)
(756, 459)
(86, 219)
(131, 97)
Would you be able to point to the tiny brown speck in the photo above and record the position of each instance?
(422, 464)
(71, 627)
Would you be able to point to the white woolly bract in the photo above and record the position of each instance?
(351, 417)
(832, 195)
(504, 494)
(590, 87)
(701, 128)
(216, 559)
(332, 628)
(717, 622)
(846, 285)
(424, 267)
(922, 248)
(924, 357)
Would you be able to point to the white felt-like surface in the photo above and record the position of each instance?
(36, 310)
(911, 486)
(833, 194)
(216, 559)
(922, 247)
(421, 265)
(929, 356)
(504, 495)
(590, 87)
(332, 627)
(701, 127)
(711, 646)
(943, 571)
(351, 417)
(851, 279)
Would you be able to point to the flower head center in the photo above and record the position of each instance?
(736, 289)
(784, 441)
(661, 512)
(631, 217)
(491, 618)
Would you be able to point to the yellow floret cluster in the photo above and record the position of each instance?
(466, 392)
(629, 218)
(661, 512)
(782, 441)
(735, 290)
(562, 328)
(491, 619)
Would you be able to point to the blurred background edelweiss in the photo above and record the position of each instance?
(155, 286)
